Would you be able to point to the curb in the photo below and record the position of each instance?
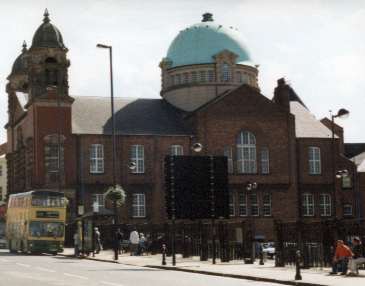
(245, 277)
(236, 276)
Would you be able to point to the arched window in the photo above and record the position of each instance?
(246, 153)
(226, 73)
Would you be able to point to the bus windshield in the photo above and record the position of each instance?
(49, 201)
(46, 229)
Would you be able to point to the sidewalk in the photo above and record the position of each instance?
(236, 269)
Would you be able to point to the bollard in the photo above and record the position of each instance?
(163, 254)
(298, 276)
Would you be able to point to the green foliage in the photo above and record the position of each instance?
(116, 194)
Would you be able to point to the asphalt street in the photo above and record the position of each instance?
(45, 270)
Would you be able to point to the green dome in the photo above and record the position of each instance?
(47, 35)
(198, 44)
(19, 65)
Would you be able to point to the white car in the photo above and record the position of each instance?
(269, 250)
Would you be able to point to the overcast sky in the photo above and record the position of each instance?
(318, 46)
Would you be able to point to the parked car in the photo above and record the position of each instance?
(268, 248)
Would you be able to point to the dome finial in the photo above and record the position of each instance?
(24, 47)
(207, 17)
(46, 16)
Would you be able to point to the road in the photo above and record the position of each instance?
(45, 270)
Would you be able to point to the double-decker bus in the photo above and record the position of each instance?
(35, 222)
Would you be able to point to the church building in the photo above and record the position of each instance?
(282, 161)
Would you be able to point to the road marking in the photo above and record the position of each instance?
(76, 276)
(110, 283)
(21, 264)
(4, 260)
(45, 269)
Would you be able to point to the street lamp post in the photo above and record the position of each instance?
(342, 113)
(113, 134)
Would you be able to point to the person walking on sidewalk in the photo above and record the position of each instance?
(77, 243)
(118, 240)
(97, 238)
(342, 255)
(358, 258)
(134, 241)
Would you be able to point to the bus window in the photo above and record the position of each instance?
(48, 201)
(46, 229)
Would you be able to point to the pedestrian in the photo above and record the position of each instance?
(341, 258)
(97, 237)
(77, 243)
(118, 240)
(141, 244)
(358, 258)
(134, 241)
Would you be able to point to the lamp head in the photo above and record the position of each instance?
(197, 147)
(132, 166)
(343, 113)
(103, 46)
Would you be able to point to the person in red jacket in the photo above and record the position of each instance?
(341, 258)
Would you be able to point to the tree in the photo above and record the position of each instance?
(116, 194)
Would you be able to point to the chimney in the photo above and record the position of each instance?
(281, 94)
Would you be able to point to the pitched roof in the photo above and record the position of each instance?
(353, 149)
(359, 160)
(306, 125)
(91, 115)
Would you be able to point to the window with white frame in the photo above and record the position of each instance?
(231, 204)
(246, 153)
(176, 150)
(185, 78)
(254, 205)
(238, 77)
(308, 205)
(99, 199)
(228, 153)
(314, 159)
(138, 205)
(96, 158)
(242, 210)
(347, 210)
(226, 73)
(202, 76)
(194, 76)
(211, 75)
(137, 157)
(265, 161)
(266, 200)
(325, 204)
(178, 79)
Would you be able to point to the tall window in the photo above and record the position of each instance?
(228, 154)
(137, 157)
(54, 158)
(1, 170)
(266, 199)
(242, 204)
(226, 73)
(99, 199)
(185, 77)
(194, 76)
(314, 157)
(246, 153)
(238, 76)
(308, 205)
(347, 210)
(96, 158)
(325, 204)
(138, 205)
(176, 150)
(211, 75)
(202, 76)
(231, 204)
(265, 161)
(254, 204)
(178, 79)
